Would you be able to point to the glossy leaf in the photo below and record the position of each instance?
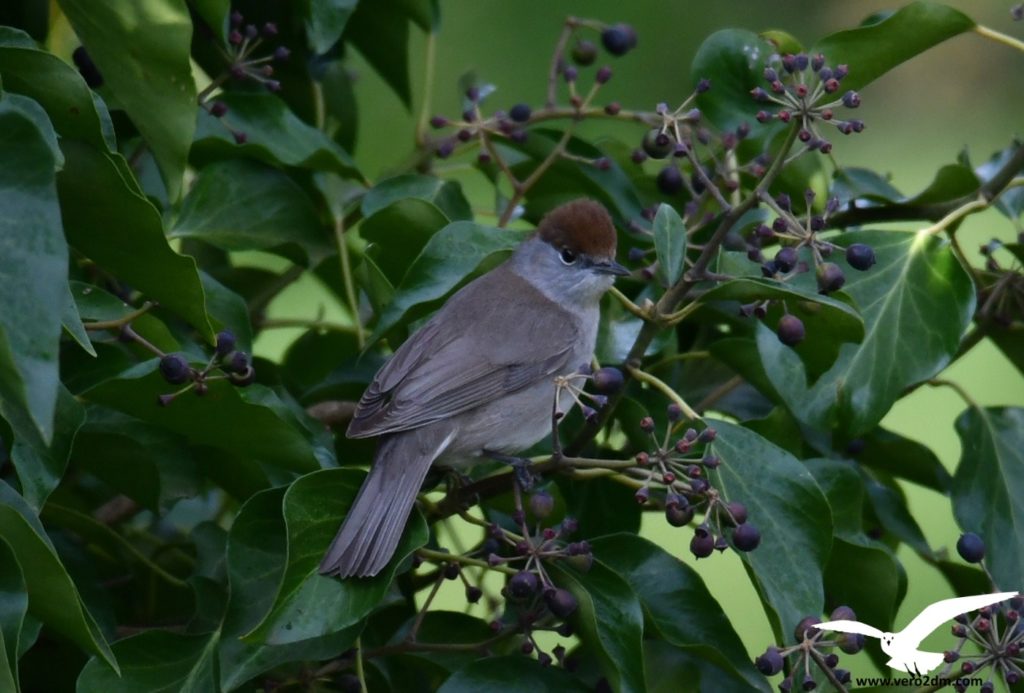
(380, 30)
(52, 596)
(917, 281)
(951, 182)
(848, 325)
(447, 260)
(889, 504)
(873, 50)
(256, 557)
(609, 621)
(33, 264)
(55, 85)
(325, 21)
(669, 244)
(13, 608)
(399, 232)
(446, 195)
(311, 605)
(512, 675)
(786, 505)
(274, 135)
(157, 660)
(677, 603)
(221, 209)
(733, 59)
(988, 487)
(142, 51)
(108, 219)
(904, 458)
(853, 183)
(237, 421)
(39, 463)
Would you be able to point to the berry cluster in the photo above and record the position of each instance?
(1001, 299)
(815, 647)
(243, 64)
(234, 366)
(677, 474)
(793, 234)
(805, 88)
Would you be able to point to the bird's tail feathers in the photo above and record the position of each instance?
(373, 526)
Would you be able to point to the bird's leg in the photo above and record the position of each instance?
(520, 466)
(453, 479)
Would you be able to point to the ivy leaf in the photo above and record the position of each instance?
(917, 282)
(52, 596)
(609, 620)
(904, 458)
(311, 605)
(446, 195)
(447, 260)
(142, 50)
(795, 521)
(236, 421)
(325, 21)
(107, 218)
(677, 603)
(13, 608)
(399, 232)
(33, 265)
(733, 59)
(240, 204)
(874, 49)
(256, 557)
(669, 244)
(988, 487)
(511, 674)
(275, 135)
(380, 30)
(156, 660)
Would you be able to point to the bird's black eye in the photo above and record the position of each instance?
(568, 257)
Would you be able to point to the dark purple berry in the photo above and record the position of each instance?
(584, 53)
(560, 602)
(619, 39)
(830, 277)
(842, 613)
(87, 68)
(244, 379)
(570, 74)
(679, 515)
(790, 330)
(746, 537)
(218, 109)
(541, 504)
(281, 54)
(451, 571)
(971, 547)
(860, 256)
(237, 362)
(608, 380)
(604, 74)
(225, 343)
(523, 585)
(737, 513)
(658, 144)
(269, 30)
(809, 683)
(702, 545)
(520, 113)
(240, 137)
(174, 369)
(703, 85)
(831, 660)
(473, 594)
(786, 259)
(851, 99)
(670, 180)
(850, 643)
(770, 663)
(804, 629)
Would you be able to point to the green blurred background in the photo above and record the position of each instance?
(965, 94)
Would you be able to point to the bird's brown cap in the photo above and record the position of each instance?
(582, 226)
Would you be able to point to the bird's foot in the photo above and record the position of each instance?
(525, 478)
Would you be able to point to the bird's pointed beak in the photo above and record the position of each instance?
(610, 267)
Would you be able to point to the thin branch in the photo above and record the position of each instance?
(119, 322)
(999, 37)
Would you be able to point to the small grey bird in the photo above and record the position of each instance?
(479, 376)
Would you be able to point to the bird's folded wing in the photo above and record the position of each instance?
(842, 626)
(934, 615)
(470, 353)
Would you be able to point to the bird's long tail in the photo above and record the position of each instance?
(369, 535)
